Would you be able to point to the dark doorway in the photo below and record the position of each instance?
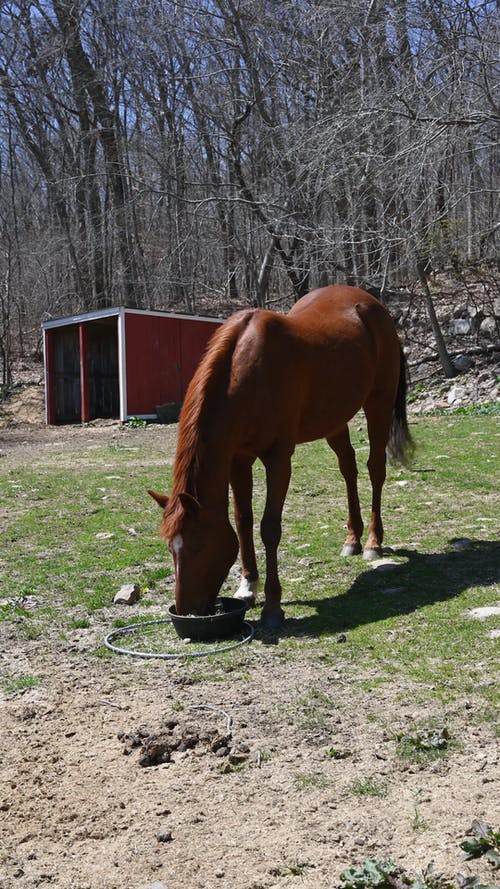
(67, 397)
(102, 363)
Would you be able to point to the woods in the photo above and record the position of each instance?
(210, 154)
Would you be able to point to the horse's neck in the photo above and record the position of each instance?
(207, 424)
(202, 468)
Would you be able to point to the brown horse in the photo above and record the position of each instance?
(266, 383)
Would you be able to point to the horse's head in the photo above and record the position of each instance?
(203, 546)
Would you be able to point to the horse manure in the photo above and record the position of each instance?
(219, 741)
(157, 746)
(156, 751)
(134, 739)
(188, 741)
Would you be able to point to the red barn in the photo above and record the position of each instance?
(120, 363)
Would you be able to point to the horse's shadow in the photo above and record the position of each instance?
(422, 579)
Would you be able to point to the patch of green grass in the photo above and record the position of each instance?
(311, 780)
(489, 409)
(11, 683)
(81, 623)
(422, 744)
(418, 822)
(12, 609)
(311, 711)
(76, 529)
(368, 787)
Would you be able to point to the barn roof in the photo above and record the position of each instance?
(118, 310)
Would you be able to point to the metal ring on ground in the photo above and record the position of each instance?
(170, 657)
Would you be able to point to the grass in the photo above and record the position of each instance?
(73, 534)
(368, 787)
(311, 780)
(425, 743)
(400, 619)
(418, 822)
(311, 711)
(77, 525)
(11, 683)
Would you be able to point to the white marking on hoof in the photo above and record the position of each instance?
(247, 589)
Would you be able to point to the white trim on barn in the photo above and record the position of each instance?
(120, 311)
(122, 366)
(45, 381)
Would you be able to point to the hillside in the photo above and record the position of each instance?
(469, 316)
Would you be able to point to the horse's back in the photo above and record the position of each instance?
(350, 351)
(337, 311)
(310, 371)
(335, 298)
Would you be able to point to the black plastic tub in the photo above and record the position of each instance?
(226, 621)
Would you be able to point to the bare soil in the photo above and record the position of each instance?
(276, 808)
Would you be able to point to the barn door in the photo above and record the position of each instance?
(66, 358)
(102, 369)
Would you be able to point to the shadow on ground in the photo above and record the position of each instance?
(422, 579)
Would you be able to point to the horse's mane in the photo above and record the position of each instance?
(213, 370)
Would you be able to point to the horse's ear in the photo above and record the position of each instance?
(161, 499)
(189, 504)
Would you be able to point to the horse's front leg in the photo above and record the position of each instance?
(278, 472)
(242, 485)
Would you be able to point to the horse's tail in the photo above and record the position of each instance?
(401, 445)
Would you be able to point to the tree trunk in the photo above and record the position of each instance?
(446, 362)
(86, 81)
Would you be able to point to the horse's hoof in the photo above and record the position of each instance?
(351, 549)
(247, 591)
(272, 620)
(248, 600)
(372, 553)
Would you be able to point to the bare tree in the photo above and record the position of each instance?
(209, 156)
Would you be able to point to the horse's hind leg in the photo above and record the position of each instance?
(242, 485)
(378, 412)
(344, 450)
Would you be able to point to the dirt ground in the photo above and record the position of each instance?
(79, 811)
